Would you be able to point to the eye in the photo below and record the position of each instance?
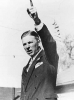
(24, 44)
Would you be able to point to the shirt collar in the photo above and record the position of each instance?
(36, 55)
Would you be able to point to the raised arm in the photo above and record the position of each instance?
(48, 42)
(49, 45)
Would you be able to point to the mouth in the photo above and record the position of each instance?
(29, 52)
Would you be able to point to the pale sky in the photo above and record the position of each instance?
(14, 20)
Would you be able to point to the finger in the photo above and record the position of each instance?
(32, 10)
(28, 11)
(31, 3)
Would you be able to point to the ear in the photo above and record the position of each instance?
(38, 40)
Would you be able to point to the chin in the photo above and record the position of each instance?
(31, 54)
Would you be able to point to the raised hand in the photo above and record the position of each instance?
(34, 15)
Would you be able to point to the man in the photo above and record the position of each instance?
(39, 75)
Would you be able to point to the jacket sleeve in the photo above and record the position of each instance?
(22, 92)
(22, 86)
(49, 45)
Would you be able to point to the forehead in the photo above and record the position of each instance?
(28, 38)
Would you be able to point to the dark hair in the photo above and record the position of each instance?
(33, 33)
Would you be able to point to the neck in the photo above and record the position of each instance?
(39, 48)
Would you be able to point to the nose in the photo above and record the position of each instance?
(28, 48)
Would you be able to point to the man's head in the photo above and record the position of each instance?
(30, 40)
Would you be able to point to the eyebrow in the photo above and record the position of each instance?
(30, 42)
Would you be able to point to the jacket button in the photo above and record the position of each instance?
(25, 95)
(35, 75)
(35, 87)
(36, 98)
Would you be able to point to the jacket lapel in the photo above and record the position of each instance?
(29, 73)
(32, 67)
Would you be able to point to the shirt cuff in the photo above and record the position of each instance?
(38, 27)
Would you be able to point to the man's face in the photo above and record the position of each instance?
(30, 45)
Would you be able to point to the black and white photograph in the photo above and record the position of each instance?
(36, 50)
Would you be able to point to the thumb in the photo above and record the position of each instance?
(28, 11)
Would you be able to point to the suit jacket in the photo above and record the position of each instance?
(40, 82)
